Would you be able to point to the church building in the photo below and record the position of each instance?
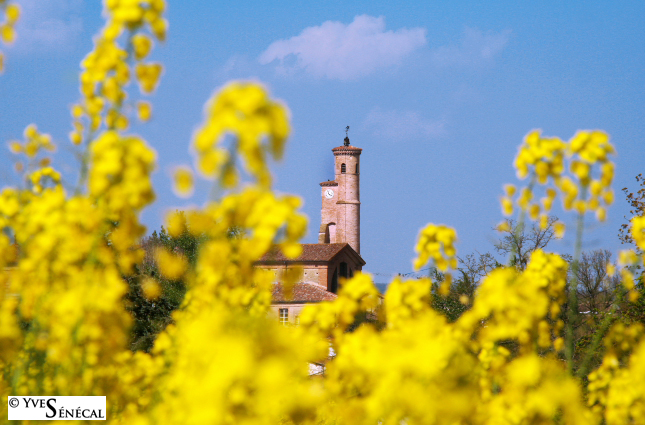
(337, 253)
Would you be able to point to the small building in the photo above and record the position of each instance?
(337, 253)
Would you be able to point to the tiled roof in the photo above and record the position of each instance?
(310, 252)
(302, 292)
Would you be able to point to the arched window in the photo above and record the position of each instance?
(356, 168)
(343, 169)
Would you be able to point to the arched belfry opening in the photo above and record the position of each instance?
(343, 168)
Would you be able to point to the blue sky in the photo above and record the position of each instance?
(439, 95)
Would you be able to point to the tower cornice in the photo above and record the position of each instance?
(346, 150)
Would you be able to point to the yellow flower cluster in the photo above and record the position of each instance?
(134, 14)
(421, 369)
(39, 172)
(432, 239)
(120, 169)
(545, 155)
(107, 70)
(544, 159)
(64, 324)
(331, 319)
(225, 368)
(245, 111)
(638, 231)
(589, 148)
(173, 266)
(7, 31)
(67, 286)
(407, 300)
(518, 306)
(225, 267)
(615, 390)
(37, 178)
(183, 182)
(34, 142)
(626, 392)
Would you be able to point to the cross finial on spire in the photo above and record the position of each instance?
(346, 136)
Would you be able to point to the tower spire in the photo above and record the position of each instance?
(346, 136)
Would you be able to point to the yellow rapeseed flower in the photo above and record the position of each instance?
(638, 231)
(77, 111)
(148, 76)
(142, 45)
(627, 257)
(601, 214)
(13, 13)
(75, 137)
(175, 223)
(15, 147)
(151, 288)
(172, 266)
(7, 33)
(183, 184)
(559, 229)
(436, 242)
(144, 111)
(507, 206)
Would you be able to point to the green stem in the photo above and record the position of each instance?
(595, 342)
(573, 313)
(82, 178)
(216, 191)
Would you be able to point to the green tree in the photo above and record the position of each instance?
(596, 288)
(458, 300)
(152, 315)
(477, 266)
(634, 312)
(636, 201)
(598, 295)
(519, 242)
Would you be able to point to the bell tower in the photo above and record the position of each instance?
(341, 205)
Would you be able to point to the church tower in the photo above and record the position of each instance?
(341, 205)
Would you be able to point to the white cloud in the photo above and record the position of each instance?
(476, 48)
(46, 25)
(339, 51)
(400, 126)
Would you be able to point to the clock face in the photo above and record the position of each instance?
(329, 193)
